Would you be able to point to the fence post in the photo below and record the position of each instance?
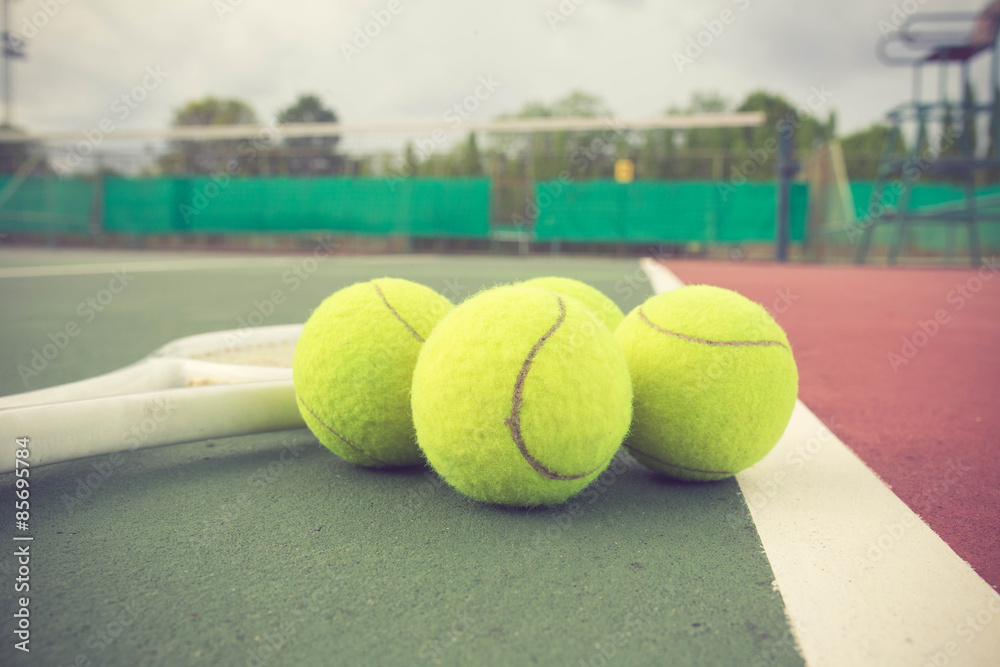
(97, 205)
(787, 168)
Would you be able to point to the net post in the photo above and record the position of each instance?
(787, 168)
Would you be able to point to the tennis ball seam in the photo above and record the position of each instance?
(706, 341)
(513, 422)
(676, 465)
(396, 314)
(336, 433)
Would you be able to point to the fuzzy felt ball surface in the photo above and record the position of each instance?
(521, 396)
(714, 378)
(353, 368)
(606, 310)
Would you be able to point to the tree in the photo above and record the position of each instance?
(863, 151)
(214, 155)
(574, 104)
(950, 140)
(689, 154)
(471, 162)
(958, 134)
(710, 137)
(411, 161)
(544, 155)
(782, 116)
(717, 153)
(310, 155)
(307, 109)
(462, 159)
(579, 104)
(214, 111)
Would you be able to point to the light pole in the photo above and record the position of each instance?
(13, 47)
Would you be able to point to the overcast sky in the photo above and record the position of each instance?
(432, 53)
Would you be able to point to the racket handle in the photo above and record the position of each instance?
(78, 429)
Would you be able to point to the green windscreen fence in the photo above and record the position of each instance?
(927, 236)
(45, 205)
(414, 207)
(592, 211)
(677, 211)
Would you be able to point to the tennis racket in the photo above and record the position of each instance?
(210, 385)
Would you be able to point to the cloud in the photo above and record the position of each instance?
(429, 55)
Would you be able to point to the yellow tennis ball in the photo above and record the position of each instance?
(521, 397)
(714, 378)
(353, 367)
(606, 310)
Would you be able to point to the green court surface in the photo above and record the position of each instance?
(269, 550)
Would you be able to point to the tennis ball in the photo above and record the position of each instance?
(605, 309)
(715, 382)
(521, 397)
(353, 366)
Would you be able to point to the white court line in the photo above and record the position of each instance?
(864, 580)
(207, 263)
(156, 266)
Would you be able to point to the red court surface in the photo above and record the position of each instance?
(904, 366)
